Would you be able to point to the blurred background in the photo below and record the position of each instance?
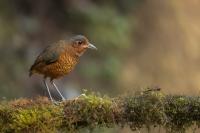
(140, 43)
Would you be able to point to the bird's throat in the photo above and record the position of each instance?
(79, 53)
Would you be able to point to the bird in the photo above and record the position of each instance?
(59, 59)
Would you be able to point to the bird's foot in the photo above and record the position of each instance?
(63, 99)
(53, 101)
(57, 102)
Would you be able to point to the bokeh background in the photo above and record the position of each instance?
(141, 43)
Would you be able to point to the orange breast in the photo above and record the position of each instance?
(61, 67)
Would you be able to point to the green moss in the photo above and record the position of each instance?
(90, 110)
(182, 112)
(144, 109)
(46, 118)
(30, 117)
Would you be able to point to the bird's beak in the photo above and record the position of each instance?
(91, 46)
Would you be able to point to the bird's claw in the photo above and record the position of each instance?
(63, 99)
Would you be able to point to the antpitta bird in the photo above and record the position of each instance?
(59, 59)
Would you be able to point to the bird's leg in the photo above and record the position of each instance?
(57, 90)
(48, 90)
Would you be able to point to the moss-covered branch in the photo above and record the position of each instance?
(145, 109)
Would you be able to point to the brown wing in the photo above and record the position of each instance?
(49, 55)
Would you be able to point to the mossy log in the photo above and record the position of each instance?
(144, 109)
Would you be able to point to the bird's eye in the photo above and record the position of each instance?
(79, 42)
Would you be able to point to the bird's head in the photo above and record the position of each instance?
(80, 44)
